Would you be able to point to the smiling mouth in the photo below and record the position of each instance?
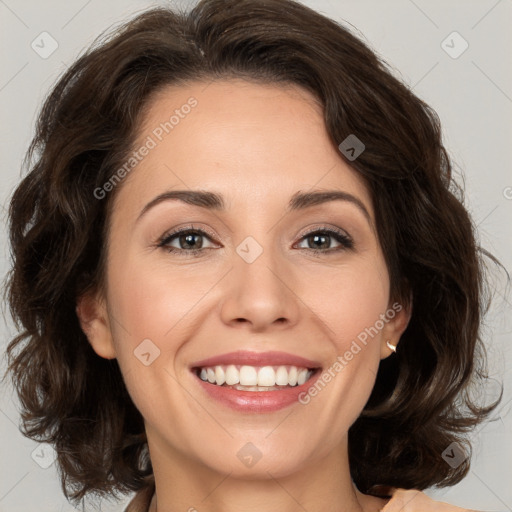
(255, 378)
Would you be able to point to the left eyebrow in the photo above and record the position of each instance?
(299, 200)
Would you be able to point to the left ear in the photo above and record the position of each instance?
(398, 316)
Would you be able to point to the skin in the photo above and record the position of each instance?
(412, 500)
(257, 145)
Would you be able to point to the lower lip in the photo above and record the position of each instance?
(257, 401)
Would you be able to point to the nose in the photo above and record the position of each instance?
(260, 295)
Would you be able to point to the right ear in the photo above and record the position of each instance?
(93, 316)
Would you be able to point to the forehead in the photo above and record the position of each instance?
(247, 140)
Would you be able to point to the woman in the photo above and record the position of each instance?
(245, 276)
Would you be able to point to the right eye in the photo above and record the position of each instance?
(189, 240)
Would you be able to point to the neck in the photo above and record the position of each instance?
(183, 483)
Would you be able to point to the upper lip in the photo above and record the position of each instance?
(244, 357)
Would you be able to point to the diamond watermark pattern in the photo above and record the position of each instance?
(454, 45)
(454, 455)
(249, 250)
(351, 147)
(249, 455)
(146, 352)
(44, 45)
(44, 455)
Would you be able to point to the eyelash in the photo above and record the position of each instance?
(345, 241)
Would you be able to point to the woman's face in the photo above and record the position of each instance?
(254, 277)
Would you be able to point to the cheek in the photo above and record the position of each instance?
(151, 300)
(155, 312)
(349, 300)
(149, 324)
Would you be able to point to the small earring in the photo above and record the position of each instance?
(391, 346)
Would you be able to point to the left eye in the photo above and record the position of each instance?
(324, 237)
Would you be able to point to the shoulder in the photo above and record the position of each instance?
(413, 500)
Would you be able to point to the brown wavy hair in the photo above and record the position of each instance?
(77, 401)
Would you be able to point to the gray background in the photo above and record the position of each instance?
(472, 95)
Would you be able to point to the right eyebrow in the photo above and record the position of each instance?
(209, 200)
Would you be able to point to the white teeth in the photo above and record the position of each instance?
(220, 376)
(267, 377)
(292, 376)
(248, 376)
(303, 375)
(252, 378)
(232, 375)
(281, 376)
